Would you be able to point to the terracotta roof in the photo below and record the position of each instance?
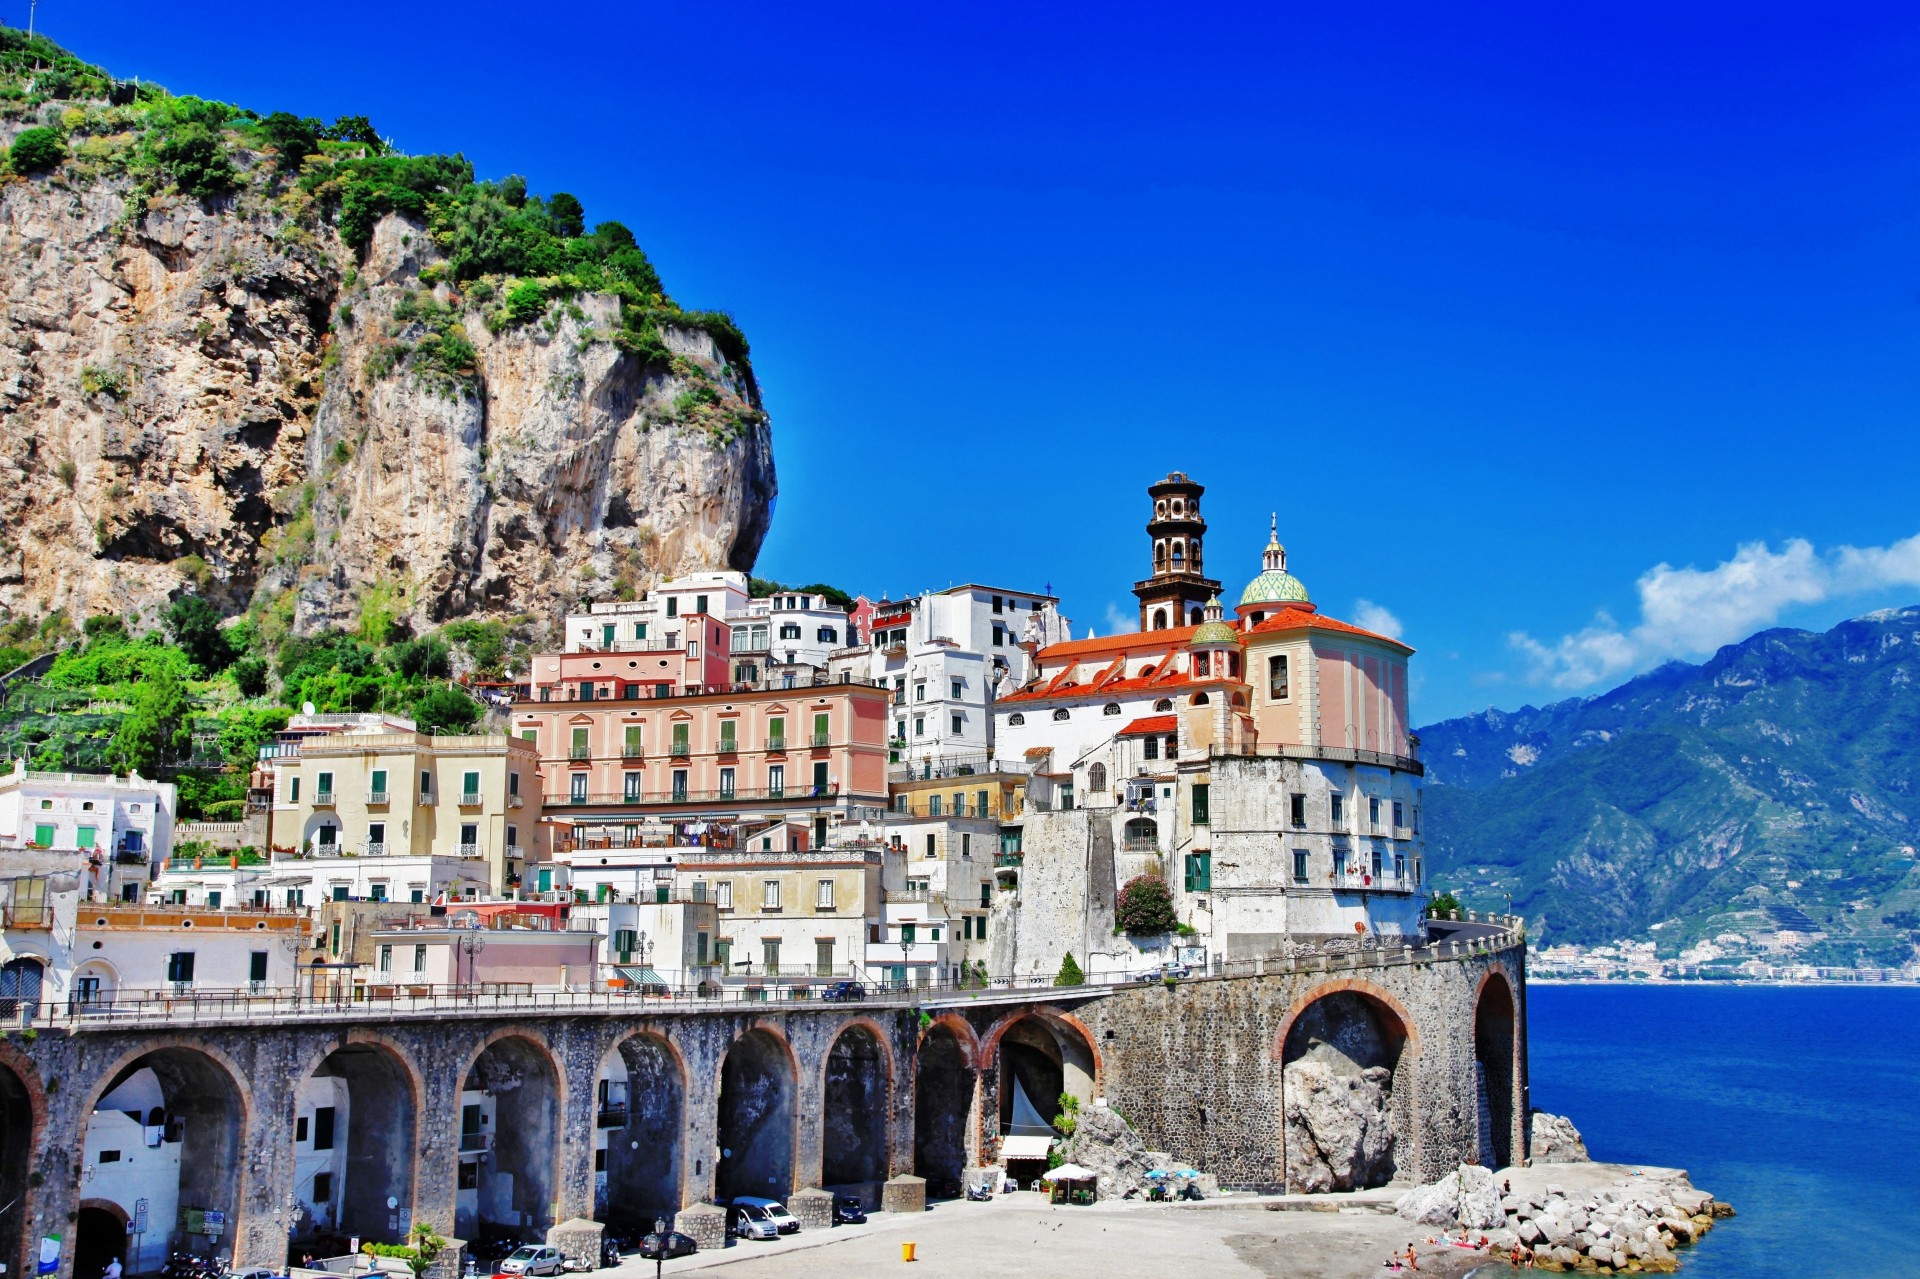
(1129, 643)
(1300, 619)
(1151, 725)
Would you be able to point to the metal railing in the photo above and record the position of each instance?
(699, 796)
(1333, 754)
(470, 799)
(323, 799)
(26, 917)
(376, 797)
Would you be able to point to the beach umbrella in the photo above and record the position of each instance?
(1070, 1172)
(1158, 1173)
(1188, 1173)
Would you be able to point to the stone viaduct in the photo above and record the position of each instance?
(783, 1099)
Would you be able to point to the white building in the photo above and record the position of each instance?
(120, 823)
(292, 880)
(790, 629)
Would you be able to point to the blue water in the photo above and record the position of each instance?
(1799, 1106)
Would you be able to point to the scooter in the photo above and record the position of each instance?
(577, 1265)
(980, 1193)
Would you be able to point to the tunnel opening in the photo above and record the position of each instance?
(638, 1121)
(1493, 1053)
(16, 1161)
(943, 1090)
(509, 1129)
(100, 1237)
(1345, 1119)
(756, 1119)
(354, 1130)
(1040, 1062)
(162, 1154)
(857, 1093)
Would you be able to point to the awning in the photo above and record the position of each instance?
(1025, 1147)
(641, 976)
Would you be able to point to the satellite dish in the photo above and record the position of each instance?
(306, 708)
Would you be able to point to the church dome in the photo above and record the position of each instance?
(1274, 585)
(1214, 629)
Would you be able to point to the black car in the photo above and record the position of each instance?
(672, 1244)
(847, 1211)
(843, 991)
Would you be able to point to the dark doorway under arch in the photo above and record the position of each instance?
(756, 1119)
(853, 1115)
(943, 1090)
(642, 1120)
(16, 1160)
(1347, 1116)
(378, 1098)
(100, 1236)
(513, 1158)
(1493, 1050)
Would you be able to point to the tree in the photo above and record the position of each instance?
(155, 728)
(353, 128)
(1146, 906)
(569, 216)
(425, 658)
(1069, 974)
(196, 156)
(294, 137)
(36, 150)
(250, 676)
(1442, 905)
(195, 626)
(445, 710)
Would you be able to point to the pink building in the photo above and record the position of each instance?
(689, 655)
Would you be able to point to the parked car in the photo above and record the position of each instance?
(657, 1247)
(750, 1221)
(533, 1259)
(847, 1211)
(783, 1221)
(843, 991)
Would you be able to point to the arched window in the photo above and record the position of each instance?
(1111, 708)
(1159, 554)
(1060, 714)
(1159, 619)
(1096, 777)
(1016, 719)
(1178, 506)
(1193, 551)
(1164, 704)
(1194, 617)
(1160, 507)
(1200, 663)
(1199, 699)
(1179, 554)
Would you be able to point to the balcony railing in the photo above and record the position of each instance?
(376, 848)
(469, 850)
(470, 799)
(323, 799)
(472, 1143)
(680, 750)
(776, 743)
(1135, 844)
(376, 797)
(1002, 861)
(580, 752)
(26, 916)
(1334, 754)
(822, 739)
(681, 796)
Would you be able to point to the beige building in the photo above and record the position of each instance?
(379, 794)
(796, 918)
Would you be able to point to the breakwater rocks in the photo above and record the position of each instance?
(1595, 1218)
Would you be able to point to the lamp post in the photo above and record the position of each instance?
(660, 1238)
(470, 945)
(643, 946)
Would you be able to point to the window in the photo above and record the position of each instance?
(323, 788)
(823, 957)
(679, 785)
(1339, 864)
(959, 724)
(999, 635)
(934, 807)
(919, 725)
(1060, 715)
(723, 894)
(777, 733)
(84, 837)
(820, 786)
(966, 844)
(577, 788)
(180, 966)
(776, 781)
(426, 786)
(339, 894)
(681, 746)
(1199, 871)
(1096, 777)
(377, 891)
(827, 635)
(822, 729)
(630, 787)
(323, 1188)
(1399, 813)
(293, 795)
(1277, 678)
(1200, 814)
(920, 691)
(257, 966)
(1373, 811)
(469, 839)
(931, 850)
(823, 895)
(469, 788)
(1015, 720)
(1111, 708)
(996, 603)
(386, 959)
(377, 786)
(1376, 860)
(959, 687)
(323, 1127)
(770, 894)
(907, 934)
(1299, 865)
(673, 606)
(1163, 705)
(726, 783)
(1297, 809)
(980, 803)
(1338, 807)
(729, 736)
(699, 603)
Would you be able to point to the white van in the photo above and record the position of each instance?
(776, 1212)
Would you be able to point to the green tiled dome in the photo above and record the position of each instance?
(1275, 586)
(1214, 633)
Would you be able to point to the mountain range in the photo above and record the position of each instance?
(1770, 792)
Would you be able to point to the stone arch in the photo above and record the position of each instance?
(640, 1115)
(23, 1108)
(1496, 1062)
(1159, 619)
(856, 1097)
(374, 1089)
(1041, 1054)
(1348, 1051)
(99, 1235)
(946, 1081)
(757, 1113)
(512, 1097)
(188, 1095)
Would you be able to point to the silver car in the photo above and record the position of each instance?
(533, 1259)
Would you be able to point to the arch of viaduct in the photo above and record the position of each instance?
(1198, 1069)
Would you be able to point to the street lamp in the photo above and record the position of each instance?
(643, 946)
(470, 945)
(660, 1241)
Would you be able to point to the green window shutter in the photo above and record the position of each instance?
(1200, 815)
(83, 837)
(632, 747)
(43, 836)
(379, 783)
(820, 726)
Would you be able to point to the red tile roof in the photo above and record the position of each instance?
(1129, 643)
(1298, 619)
(1151, 726)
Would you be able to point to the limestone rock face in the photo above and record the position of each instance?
(1467, 1197)
(1339, 1132)
(1555, 1140)
(203, 392)
(1104, 1143)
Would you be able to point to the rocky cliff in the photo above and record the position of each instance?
(218, 389)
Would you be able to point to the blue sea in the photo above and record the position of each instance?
(1800, 1106)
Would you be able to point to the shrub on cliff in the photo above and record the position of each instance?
(1146, 906)
(443, 710)
(36, 151)
(195, 157)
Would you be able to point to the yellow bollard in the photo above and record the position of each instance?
(906, 1252)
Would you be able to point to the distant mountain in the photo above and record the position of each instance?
(1771, 790)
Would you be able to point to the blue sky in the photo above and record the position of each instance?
(1500, 306)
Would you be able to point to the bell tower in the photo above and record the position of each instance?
(1178, 591)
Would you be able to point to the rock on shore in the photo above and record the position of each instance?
(1625, 1222)
(1555, 1140)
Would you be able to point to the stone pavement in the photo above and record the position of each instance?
(1022, 1235)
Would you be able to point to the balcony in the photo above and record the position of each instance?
(473, 1143)
(467, 850)
(776, 743)
(580, 752)
(376, 848)
(685, 796)
(26, 917)
(470, 799)
(514, 801)
(323, 799)
(376, 797)
(130, 857)
(1002, 861)
(729, 746)
(611, 1115)
(679, 750)
(820, 740)
(633, 753)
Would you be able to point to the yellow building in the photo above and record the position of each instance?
(384, 794)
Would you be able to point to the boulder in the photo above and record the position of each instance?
(1529, 1233)
(1554, 1140)
(1431, 1205)
(1339, 1130)
(1103, 1142)
(1467, 1197)
(1479, 1199)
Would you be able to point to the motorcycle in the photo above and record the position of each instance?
(980, 1193)
(574, 1264)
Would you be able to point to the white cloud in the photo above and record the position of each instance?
(1120, 622)
(1690, 611)
(1376, 618)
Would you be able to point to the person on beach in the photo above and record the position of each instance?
(1413, 1258)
